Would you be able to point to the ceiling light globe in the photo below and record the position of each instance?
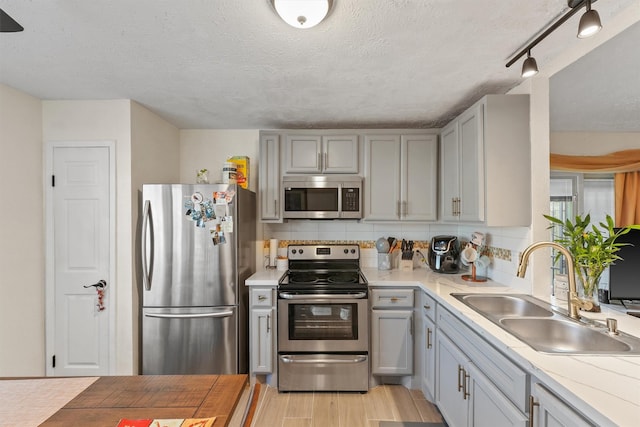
(302, 13)
(529, 67)
(589, 24)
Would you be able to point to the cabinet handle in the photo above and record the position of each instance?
(427, 307)
(453, 206)
(465, 391)
(394, 299)
(319, 161)
(398, 213)
(325, 165)
(275, 207)
(460, 371)
(261, 297)
(532, 405)
(428, 337)
(268, 323)
(404, 208)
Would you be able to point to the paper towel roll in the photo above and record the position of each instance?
(273, 252)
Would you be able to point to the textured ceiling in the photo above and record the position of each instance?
(233, 64)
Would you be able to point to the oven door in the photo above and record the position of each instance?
(323, 323)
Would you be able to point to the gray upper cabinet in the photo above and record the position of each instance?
(485, 164)
(269, 197)
(401, 173)
(305, 153)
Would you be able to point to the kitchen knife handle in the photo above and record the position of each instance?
(146, 220)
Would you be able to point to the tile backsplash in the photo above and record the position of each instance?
(503, 245)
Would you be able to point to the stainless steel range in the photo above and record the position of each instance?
(323, 320)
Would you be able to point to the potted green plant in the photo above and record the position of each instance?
(593, 248)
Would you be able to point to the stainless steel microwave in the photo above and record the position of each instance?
(322, 196)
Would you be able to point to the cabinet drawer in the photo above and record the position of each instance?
(261, 297)
(428, 306)
(381, 298)
(509, 378)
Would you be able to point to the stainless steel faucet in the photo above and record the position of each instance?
(572, 301)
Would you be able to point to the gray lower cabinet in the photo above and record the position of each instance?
(428, 342)
(475, 384)
(547, 410)
(392, 331)
(261, 330)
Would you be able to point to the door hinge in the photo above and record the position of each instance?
(53, 361)
(53, 180)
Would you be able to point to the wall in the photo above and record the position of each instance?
(155, 158)
(593, 143)
(100, 121)
(21, 235)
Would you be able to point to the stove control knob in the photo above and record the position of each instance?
(346, 251)
(353, 251)
(301, 251)
(293, 251)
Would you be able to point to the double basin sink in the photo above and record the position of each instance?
(547, 330)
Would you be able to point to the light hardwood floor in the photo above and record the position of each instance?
(327, 409)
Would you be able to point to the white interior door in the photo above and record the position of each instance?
(79, 245)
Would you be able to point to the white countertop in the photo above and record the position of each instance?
(605, 388)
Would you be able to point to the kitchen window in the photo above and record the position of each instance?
(578, 194)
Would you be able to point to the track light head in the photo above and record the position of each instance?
(589, 23)
(529, 66)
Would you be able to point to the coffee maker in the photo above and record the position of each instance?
(444, 254)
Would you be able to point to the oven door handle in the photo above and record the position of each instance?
(289, 295)
(355, 359)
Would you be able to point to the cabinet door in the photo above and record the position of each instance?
(392, 342)
(303, 154)
(450, 399)
(269, 183)
(429, 358)
(382, 177)
(419, 178)
(261, 340)
(449, 172)
(489, 407)
(471, 139)
(340, 154)
(553, 412)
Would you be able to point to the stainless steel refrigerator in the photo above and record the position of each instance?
(197, 249)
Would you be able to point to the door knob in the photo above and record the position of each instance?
(101, 284)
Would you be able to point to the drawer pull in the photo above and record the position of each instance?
(427, 307)
(460, 371)
(429, 338)
(394, 299)
(465, 391)
(532, 404)
(261, 297)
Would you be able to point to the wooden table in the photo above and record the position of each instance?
(110, 399)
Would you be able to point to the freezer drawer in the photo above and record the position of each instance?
(197, 340)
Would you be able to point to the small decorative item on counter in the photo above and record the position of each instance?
(282, 263)
(593, 249)
(472, 255)
(202, 177)
(242, 170)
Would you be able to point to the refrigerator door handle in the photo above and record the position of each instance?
(191, 316)
(146, 280)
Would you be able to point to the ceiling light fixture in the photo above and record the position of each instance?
(302, 13)
(591, 26)
(589, 23)
(529, 66)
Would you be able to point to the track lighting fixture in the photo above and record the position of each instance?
(529, 66)
(589, 25)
